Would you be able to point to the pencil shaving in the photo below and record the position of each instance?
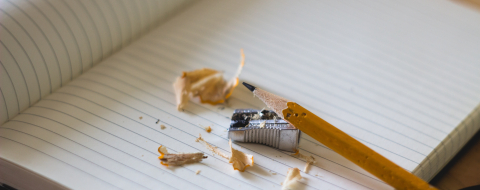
(197, 172)
(211, 148)
(179, 159)
(293, 175)
(256, 117)
(309, 159)
(239, 160)
(207, 84)
(162, 127)
(208, 129)
(262, 125)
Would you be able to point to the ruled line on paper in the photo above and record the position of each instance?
(352, 124)
(97, 165)
(29, 60)
(146, 113)
(427, 124)
(153, 153)
(21, 73)
(97, 127)
(270, 58)
(216, 124)
(14, 90)
(54, 158)
(99, 116)
(60, 45)
(209, 24)
(222, 115)
(181, 44)
(138, 81)
(169, 82)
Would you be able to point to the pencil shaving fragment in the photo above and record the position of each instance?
(162, 127)
(211, 148)
(208, 129)
(197, 172)
(168, 159)
(262, 125)
(256, 117)
(293, 175)
(208, 84)
(309, 159)
(309, 163)
(239, 160)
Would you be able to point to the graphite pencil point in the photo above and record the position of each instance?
(249, 86)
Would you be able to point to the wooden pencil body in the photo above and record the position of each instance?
(352, 149)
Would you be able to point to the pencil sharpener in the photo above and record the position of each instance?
(263, 127)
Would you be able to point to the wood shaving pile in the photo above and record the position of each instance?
(178, 159)
(239, 160)
(309, 159)
(293, 175)
(207, 84)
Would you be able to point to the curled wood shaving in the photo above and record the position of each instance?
(293, 175)
(178, 159)
(239, 160)
(207, 84)
(309, 159)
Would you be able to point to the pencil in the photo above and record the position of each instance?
(340, 142)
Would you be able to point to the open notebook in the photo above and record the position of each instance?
(84, 83)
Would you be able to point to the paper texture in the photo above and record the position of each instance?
(400, 83)
(45, 44)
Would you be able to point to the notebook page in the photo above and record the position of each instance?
(387, 96)
(45, 44)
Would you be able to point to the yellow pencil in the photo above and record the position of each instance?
(340, 142)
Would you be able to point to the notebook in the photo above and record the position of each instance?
(84, 83)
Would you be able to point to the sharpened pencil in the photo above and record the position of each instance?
(340, 142)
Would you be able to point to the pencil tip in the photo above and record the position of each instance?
(249, 86)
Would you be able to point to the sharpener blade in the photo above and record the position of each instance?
(277, 133)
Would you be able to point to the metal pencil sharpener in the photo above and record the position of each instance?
(246, 126)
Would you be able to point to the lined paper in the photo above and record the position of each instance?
(356, 65)
(46, 43)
